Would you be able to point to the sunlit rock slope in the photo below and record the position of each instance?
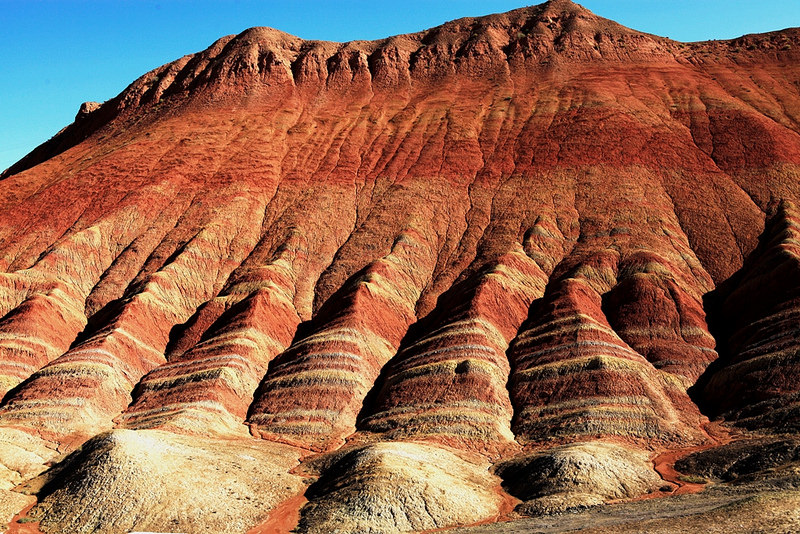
(373, 282)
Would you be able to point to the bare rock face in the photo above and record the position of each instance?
(128, 480)
(464, 355)
(399, 487)
(744, 458)
(207, 389)
(318, 385)
(756, 385)
(22, 457)
(576, 377)
(536, 242)
(87, 108)
(577, 476)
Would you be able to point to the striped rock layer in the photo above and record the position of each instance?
(504, 233)
(450, 385)
(756, 384)
(208, 388)
(315, 389)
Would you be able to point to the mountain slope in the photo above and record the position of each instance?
(490, 242)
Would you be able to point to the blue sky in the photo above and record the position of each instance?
(59, 53)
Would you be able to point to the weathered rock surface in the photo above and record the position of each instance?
(574, 377)
(313, 393)
(22, 457)
(716, 511)
(208, 388)
(450, 385)
(150, 480)
(534, 239)
(577, 476)
(743, 458)
(399, 487)
(86, 109)
(757, 385)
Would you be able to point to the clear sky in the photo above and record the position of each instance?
(55, 54)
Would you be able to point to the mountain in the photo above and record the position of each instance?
(507, 267)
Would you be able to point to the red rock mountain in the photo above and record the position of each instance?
(533, 242)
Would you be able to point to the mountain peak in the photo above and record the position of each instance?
(554, 35)
(564, 6)
(554, 31)
(515, 258)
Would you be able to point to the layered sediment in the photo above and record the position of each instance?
(531, 242)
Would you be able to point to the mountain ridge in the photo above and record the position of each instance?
(518, 24)
(509, 244)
